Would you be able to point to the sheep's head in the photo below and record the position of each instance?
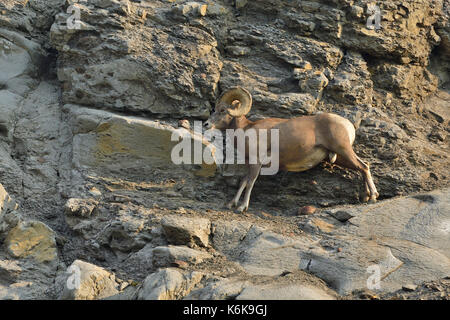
(234, 102)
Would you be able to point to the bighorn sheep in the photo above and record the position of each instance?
(303, 141)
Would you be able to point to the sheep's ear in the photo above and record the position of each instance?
(236, 104)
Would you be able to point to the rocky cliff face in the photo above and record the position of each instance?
(89, 106)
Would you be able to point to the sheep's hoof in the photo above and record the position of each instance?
(231, 204)
(365, 198)
(241, 209)
(373, 199)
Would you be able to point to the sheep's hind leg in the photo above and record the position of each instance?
(373, 193)
(347, 158)
(253, 173)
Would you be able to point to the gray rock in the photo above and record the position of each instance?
(406, 239)
(397, 259)
(82, 208)
(167, 256)
(32, 239)
(20, 55)
(10, 172)
(122, 235)
(218, 289)
(342, 216)
(9, 217)
(216, 10)
(405, 81)
(287, 292)
(105, 141)
(139, 81)
(187, 231)
(352, 82)
(168, 284)
(191, 8)
(409, 287)
(9, 103)
(26, 279)
(227, 236)
(85, 281)
(260, 251)
(38, 122)
(140, 263)
(10, 271)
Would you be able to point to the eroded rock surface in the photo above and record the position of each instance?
(89, 120)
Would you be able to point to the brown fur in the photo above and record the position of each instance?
(303, 143)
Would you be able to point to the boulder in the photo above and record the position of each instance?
(85, 281)
(403, 241)
(187, 231)
(32, 239)
(168, 284)
(104, 141)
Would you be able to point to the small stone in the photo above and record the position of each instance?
(80, 207)
(123, 285)
(342, 216)
(180, 264)
(315, 81)
(357, 11)
(409, 287)
(339, 249)
(405, 60)
(238, 50)
(202, 10)
(216, 9)
(300, 72)
(306, 210)
(184, 124)
(368, 294)
(191, 9)
(95, 192)
(181, 210)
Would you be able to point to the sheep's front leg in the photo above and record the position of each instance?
(234, 202)
(253, 173)
(366, 195)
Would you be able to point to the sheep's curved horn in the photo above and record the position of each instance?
(240, 94)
